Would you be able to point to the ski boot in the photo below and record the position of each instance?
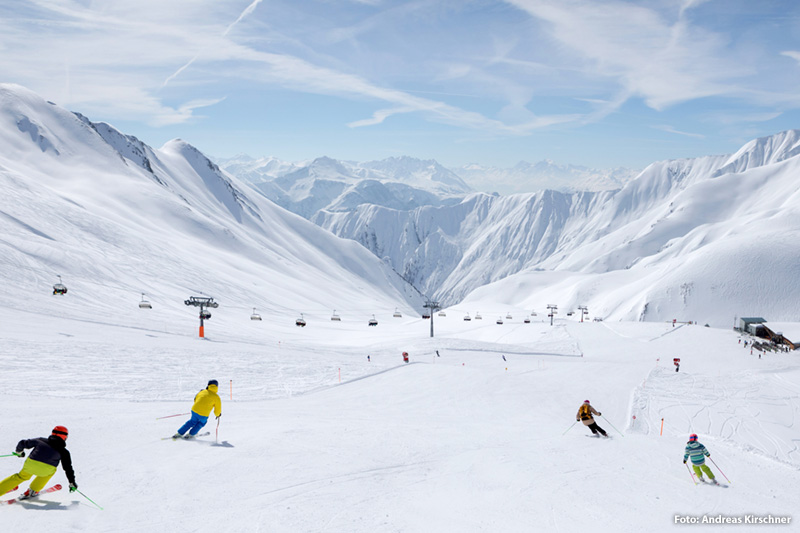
(28, 494)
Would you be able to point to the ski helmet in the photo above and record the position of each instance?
(586, 401)
(693, 436)
(213, 382)
(60, 432)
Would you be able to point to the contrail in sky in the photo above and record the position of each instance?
(248, 10)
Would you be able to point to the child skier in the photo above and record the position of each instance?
(698, 453)
(204, 401)
(42, 462)
(585, 413)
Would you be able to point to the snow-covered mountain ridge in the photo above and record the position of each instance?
(325, 183)
(674, 213)
(117, 218)
(695, 239)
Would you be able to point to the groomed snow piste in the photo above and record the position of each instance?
(317, 438)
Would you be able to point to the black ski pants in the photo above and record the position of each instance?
(595, 429)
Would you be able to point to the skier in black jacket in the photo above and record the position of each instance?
(42, 462)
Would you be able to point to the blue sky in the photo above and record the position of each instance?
(587, 82)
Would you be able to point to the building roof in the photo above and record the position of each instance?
(790, 330)
(753, 320)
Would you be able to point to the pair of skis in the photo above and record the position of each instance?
(43, 491)
(207, 433)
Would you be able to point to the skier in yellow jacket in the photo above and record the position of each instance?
(204, 401)
(585, 413)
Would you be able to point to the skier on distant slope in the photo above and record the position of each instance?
(698, 453)
(585, 413)
(42, 462)
(204, 401)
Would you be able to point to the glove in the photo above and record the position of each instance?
(577, 420)
(219, 417)
(684, 461)
(599, 414)
(21, 454)
(73, 487)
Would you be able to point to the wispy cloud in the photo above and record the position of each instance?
(670, 129)
(793, 54)
(476, 65)
(661, 58)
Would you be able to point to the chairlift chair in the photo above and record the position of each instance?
(373, 321)
(442, 313)
(205, 314)
(300, 322)
(144, 304)
(478, 316)
(335, 317)
(508, 316)
(397, 313)
(59, 288)
(500, 320)
(255, 316)
(467, 318)
(527, 320)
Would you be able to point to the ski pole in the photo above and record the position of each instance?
(569, 428)
(171, 416)
(88, 498)
(612, 425)
(690, 473)
(216, 437)
(720, 470)
(13, 454)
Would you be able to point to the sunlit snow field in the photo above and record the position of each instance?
(314, 437)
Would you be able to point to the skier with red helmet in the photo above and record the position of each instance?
(698, 453)
(42, 462)
(585, 413)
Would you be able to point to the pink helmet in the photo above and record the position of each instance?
(693, 437)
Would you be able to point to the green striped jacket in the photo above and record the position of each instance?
(696, 451)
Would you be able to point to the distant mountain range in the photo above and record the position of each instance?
(618, 228)
(527, 177)
(700, 239)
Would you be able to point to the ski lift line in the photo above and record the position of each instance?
(83, 281)
(78, 281)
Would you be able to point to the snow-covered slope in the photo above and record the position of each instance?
(315, 437)
(116, 218)
(702, 238)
